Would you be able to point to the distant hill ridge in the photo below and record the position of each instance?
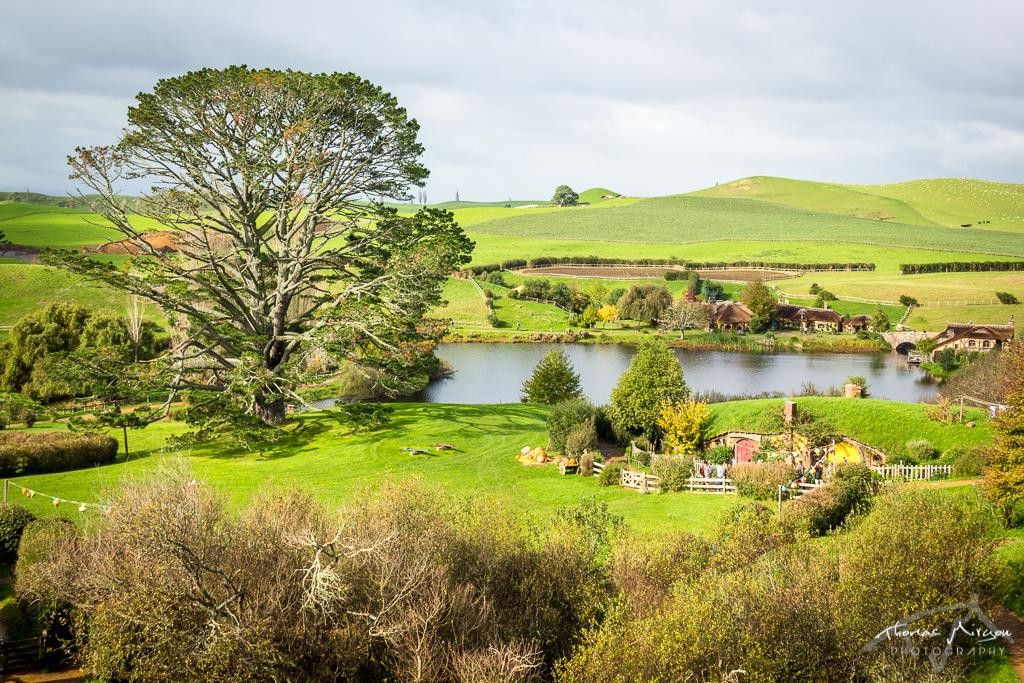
(947, 202)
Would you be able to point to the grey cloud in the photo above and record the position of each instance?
(515, 97)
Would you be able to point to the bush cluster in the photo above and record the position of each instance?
(761, 480)
(673, 472)
(13, 520)
(827, 507)
(512, 264)
(566, 417)
(611, 475)
(406, 584)
(39, 452)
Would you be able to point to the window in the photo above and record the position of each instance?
(970, 342)
(985, 344)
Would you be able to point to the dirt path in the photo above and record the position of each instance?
(1005, 619)
(69, 676)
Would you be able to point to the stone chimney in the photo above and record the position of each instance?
(789, 412)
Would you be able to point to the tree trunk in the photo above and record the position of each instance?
(124, 428)
(270, 410)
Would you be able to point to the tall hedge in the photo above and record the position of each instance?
(39, 452)
(960, 267)
(539, 262)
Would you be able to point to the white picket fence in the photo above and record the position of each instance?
(913, 472)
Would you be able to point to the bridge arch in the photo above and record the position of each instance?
(905, 347)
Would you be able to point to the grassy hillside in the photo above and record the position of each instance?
(827, 197)
(596, 195)
(956, 201)
(45, 226)
(883, 424)
(686, 219)
(948, 202)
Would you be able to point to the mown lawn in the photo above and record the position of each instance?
(322, 457)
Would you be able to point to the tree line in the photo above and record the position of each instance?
(541, 261)
(960, 267)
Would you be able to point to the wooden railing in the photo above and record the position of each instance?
(641, 481)
(913, 472)
(22, 655)
(711, 485)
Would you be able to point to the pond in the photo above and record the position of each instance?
(494, 373)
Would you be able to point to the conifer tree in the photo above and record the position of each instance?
(554, 380)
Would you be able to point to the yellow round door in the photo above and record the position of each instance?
(845, 452)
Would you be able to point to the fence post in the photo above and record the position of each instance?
(7, 486)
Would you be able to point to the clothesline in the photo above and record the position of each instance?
(57, 501)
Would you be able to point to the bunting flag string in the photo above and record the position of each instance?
(58, 501)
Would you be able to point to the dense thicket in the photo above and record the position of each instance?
(35, 452)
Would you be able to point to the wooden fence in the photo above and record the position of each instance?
(641, 481)
(913, 472)
(18, 656)
(711, 485)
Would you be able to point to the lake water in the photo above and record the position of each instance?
(494, 373)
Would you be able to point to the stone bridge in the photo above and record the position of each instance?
(902, 341)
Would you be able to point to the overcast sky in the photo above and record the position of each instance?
(514, 98)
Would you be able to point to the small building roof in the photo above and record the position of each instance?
(730, 312)
(955, 331)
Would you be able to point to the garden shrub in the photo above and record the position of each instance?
(582, 438)
(563, 418)
(673, 471)
(761, 480)
(918, 451)
(38, 539)
(39, 452)
(827, 507)
(1007, 298)
(13, 520)
(969, 463)
(611, 475)
(587, 464)
(718, 455)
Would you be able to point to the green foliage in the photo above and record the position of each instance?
(918, 451)
(968, 463)
(554, 380)
(55, 330)
(37, 451)
(761, 480)
(673, 472)
(363, 416)
(645, 303)
(38, 540)
(1004, 475)
(906, 300)
(611, 475)
(19, 408)
(1007, 298)
(564, 418)
(13, 520)
(947, 360)
(565, 196)
(718, 455)
(496, 278)
(654, 377)
(823, 298)
(759, 299)
(582, 438)
(823, 509)
(880, 321)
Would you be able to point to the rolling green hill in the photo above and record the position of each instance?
(685, 219)
(596, 195)
(948, 202)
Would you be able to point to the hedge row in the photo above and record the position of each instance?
(512, 264)
(39, 452)
(960, 267)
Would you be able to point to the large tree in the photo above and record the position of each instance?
(685, 315)
(268, 184)
(653, 379)
(759, 299)
(553, 380)
(1004, 475)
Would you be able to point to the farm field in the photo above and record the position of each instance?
(684, 219)
(322, 457)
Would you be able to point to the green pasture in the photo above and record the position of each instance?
(949, 202)
(684, 219)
